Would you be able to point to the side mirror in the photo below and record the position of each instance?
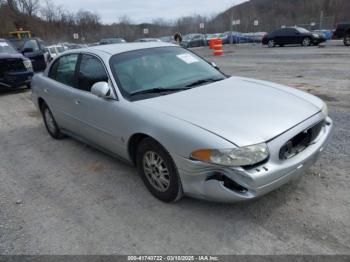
(28, 50)
(101, 89)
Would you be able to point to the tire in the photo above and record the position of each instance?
(306, 41)
(271, 43)
(50, 123)
(347, 39)
(158, 171)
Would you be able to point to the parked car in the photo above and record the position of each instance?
(292, 36)
(342, 31)
(237, 38)
(187, 127)
(112, 40)
(167, 39)
(34, 49)
(55, 50)
(325, 33)
(256, 37)
(209, 37)
(143, 40)
(15, 69)
(193, 40)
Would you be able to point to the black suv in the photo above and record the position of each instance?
(292, 36)
(343, 32)
(15, 69)
(34, 49)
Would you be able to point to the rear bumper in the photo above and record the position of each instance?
(196, 176)
(16, 79)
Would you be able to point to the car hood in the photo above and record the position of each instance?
(11, 56)
(241, 110)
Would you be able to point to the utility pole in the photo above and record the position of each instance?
(321, 19)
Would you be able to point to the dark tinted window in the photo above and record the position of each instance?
(278, 32)
(91, 71)
(63, 69)
(32, 44)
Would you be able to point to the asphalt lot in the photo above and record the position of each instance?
(63, 197)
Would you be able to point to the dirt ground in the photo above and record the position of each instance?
(63, 197)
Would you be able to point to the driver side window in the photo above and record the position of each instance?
(90, 72)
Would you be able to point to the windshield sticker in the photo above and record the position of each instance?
(3, 44)
(187, 58)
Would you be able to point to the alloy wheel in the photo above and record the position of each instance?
(156, 171)
(306, 42)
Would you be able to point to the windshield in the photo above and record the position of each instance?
(302, 30)
(6, 48)
(160, 68)
(17, 43)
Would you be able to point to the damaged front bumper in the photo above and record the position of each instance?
(225, 184)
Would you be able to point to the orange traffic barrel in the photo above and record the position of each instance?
(217, 46)
(211, 43)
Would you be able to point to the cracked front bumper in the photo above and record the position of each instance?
(195, 175)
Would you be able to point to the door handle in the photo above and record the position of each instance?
(77, 102)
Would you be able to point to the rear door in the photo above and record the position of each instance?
(279, 37)
(59, 91)
(33, 51)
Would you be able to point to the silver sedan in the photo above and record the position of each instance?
(187, 127)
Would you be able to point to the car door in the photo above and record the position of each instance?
(98, 118)
(278, 37)
(32, 50)
(59, 90)
(297, 37)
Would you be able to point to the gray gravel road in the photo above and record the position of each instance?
(63, 197)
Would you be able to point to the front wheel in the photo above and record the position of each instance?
(347, 40)
(50, 123)
(306, 41)
(158, 171)
(271, 43)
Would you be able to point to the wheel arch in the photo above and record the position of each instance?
(133, 143)
(41, 102)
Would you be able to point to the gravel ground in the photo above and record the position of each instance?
(63, 197)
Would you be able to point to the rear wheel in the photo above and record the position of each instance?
(306, 41)
(271, 43)
(50, 123)
(347, 39)
(158, 171)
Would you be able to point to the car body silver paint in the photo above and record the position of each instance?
(226, 114)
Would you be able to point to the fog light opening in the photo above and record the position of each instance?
(228, 183)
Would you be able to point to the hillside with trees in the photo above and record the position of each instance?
(53, 23)
(272, 14)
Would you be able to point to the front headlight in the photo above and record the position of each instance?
(316, 35)
(243, 156)
(325, 109)
(27, 63)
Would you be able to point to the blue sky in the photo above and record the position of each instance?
(147, 10)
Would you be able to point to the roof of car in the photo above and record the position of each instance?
(124, 47)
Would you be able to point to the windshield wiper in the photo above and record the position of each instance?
(204, 81)
(158, 90)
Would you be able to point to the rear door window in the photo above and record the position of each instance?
(63, 70)
(91, 71)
